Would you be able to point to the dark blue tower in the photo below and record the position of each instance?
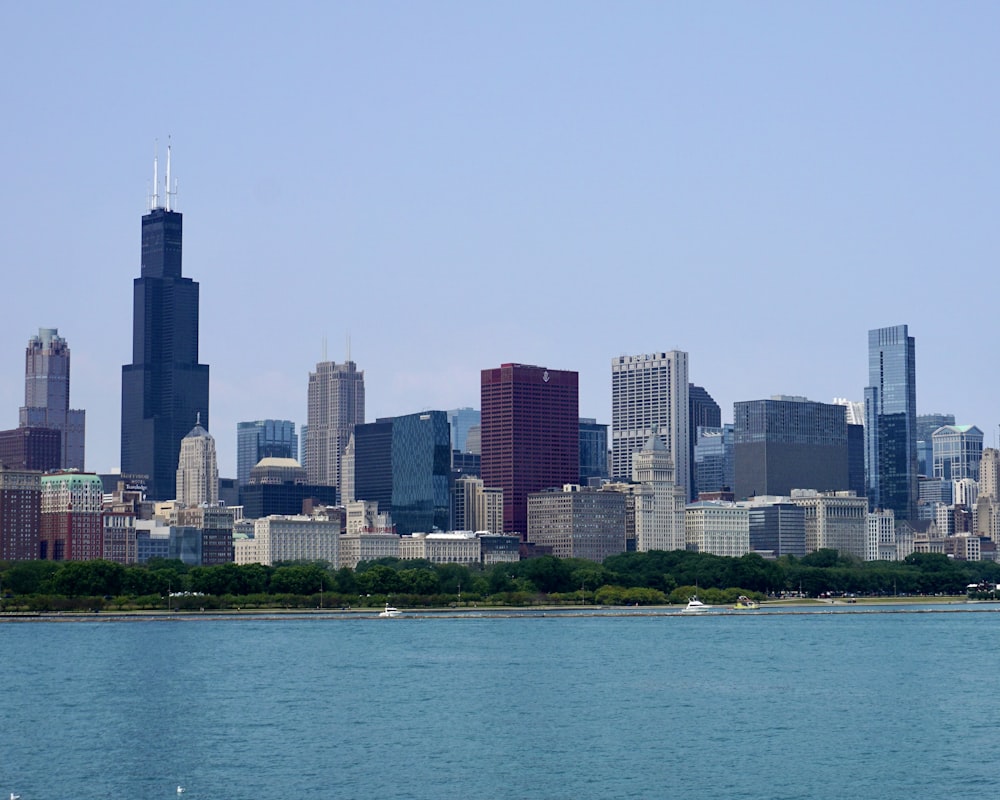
(164, 389)
(891, 422)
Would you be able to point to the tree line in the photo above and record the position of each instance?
(652, 578)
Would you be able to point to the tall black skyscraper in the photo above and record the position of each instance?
(164, 388)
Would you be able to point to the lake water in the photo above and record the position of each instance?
(755, 705)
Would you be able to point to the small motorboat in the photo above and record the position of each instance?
(695, 606)
(744, 603)
(390, 611)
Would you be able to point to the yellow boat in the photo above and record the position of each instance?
(744, 603)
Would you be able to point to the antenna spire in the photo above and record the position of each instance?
(167, 184)
(348, 345)
(155, 204)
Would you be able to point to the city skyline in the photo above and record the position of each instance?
(743, 158)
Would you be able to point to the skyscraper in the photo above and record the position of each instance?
(336, 405)
(650, 391)
(787, 443)
(404, 464)
(46, 395)
(703, 411)
(891, 422)
(659, 502)
(164, 389)
(197, 469)
(263, 438)
(530, 434)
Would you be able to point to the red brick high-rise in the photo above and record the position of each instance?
(20, 514)
(530, 435)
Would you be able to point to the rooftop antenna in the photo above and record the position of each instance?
(348, 346)
(324, 348)
(156, 197)
(167, 184)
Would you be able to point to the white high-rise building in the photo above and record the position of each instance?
(336, 405)
(650, 392)
(659, 502)
(197, 469)
(881, 544)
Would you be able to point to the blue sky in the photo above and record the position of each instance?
(458, 185)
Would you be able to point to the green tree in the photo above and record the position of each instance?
(380, 579)
(89, 578)
(30, 577)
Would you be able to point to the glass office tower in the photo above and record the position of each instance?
(164, 389)
(891, 422)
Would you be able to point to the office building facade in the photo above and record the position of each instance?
(650, 391)
(404, 464)
(787, 443)
(957, 451)
(891, 422)
(714, 466)
(31, 448)
(461, 420)
(778, 529)
(263, 438)
(593, 451)
(46, 396)
(578, 522)
(336, 405)
(165, 388)
(530, 434)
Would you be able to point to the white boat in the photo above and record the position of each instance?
(695, 606)
(391, 611)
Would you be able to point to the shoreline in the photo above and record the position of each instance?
(811, 606)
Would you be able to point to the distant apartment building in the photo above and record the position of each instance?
(71, 517)
(475, 506)
(20, 514)
(578, 522)
(719, 528)
(834, 520)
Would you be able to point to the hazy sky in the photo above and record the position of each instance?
(458, 185)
